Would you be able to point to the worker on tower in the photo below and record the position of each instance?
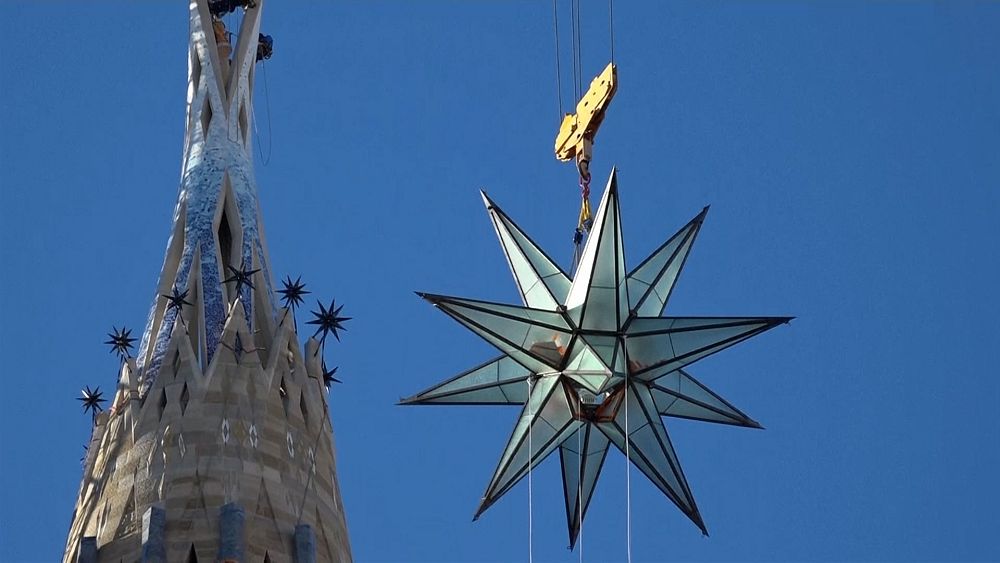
(219, 8)
(265, 46)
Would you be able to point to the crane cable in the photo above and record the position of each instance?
(584, 221)
(530, 453)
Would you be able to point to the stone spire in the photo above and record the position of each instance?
(218, 446)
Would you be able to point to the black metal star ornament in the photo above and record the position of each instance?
(242, 276)
(292, 292)
(92, 399)
(328, 376)
(176, 299)
(328, 320)
(120, 341)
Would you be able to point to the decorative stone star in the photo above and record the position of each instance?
(328, 320)
(92, 399)
(242, 276)
(328, 376)
(292, 292)
(592, 361)
(176, 299)
(120, 341)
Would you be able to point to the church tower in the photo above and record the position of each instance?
(218, 444)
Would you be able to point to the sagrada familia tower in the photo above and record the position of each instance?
(218, 444)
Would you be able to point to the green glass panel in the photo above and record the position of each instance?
(584, 359)
(680, 395)
(541, 282)
(599, 285)
(535, 338)
(481, 385)
(590, 382)
(582, 456)
(680, 341)
(649, 448)
(651, 283)
(604, 346)
(545, 423)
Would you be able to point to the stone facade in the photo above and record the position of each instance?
(218, 446)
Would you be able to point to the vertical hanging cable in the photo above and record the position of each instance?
(611, 27)
(576, 60)
(579, 53)
(530, 550)
(579, 486)
(628, 466)
(555, 27)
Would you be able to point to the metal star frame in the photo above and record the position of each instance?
(92, 399)
(242, 276)
(329, 376)
(328, 320)
(292, 292)
(176, 299)
(592, 361)
(121, 341)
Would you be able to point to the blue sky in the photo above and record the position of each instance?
(850, 153)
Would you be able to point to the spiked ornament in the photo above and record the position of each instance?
(121, 341)
(592, 361)
(92, 399)
(328, 320)
(292, 292)
(176, 299)
(242, 276)
(328, 376)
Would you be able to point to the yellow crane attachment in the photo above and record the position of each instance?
(577, 131)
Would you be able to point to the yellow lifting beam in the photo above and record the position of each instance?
(577, 132)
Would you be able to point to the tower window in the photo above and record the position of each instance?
(304, 408)
(225, 241)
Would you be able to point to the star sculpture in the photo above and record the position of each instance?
(592, 361)
(242, 276)
(121, 341)
(292, 292)
(328, 320)
(176, 299)
(92, 399)
(329, 376)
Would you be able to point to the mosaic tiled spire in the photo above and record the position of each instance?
(218, 445)
(216, 224)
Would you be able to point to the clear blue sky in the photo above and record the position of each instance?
(850, 152)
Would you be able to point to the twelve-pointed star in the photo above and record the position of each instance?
(593, 361)
(176, 299)
(292, 291)
(120, 341)
(328, 320)
(92, 399)
(243, 276)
